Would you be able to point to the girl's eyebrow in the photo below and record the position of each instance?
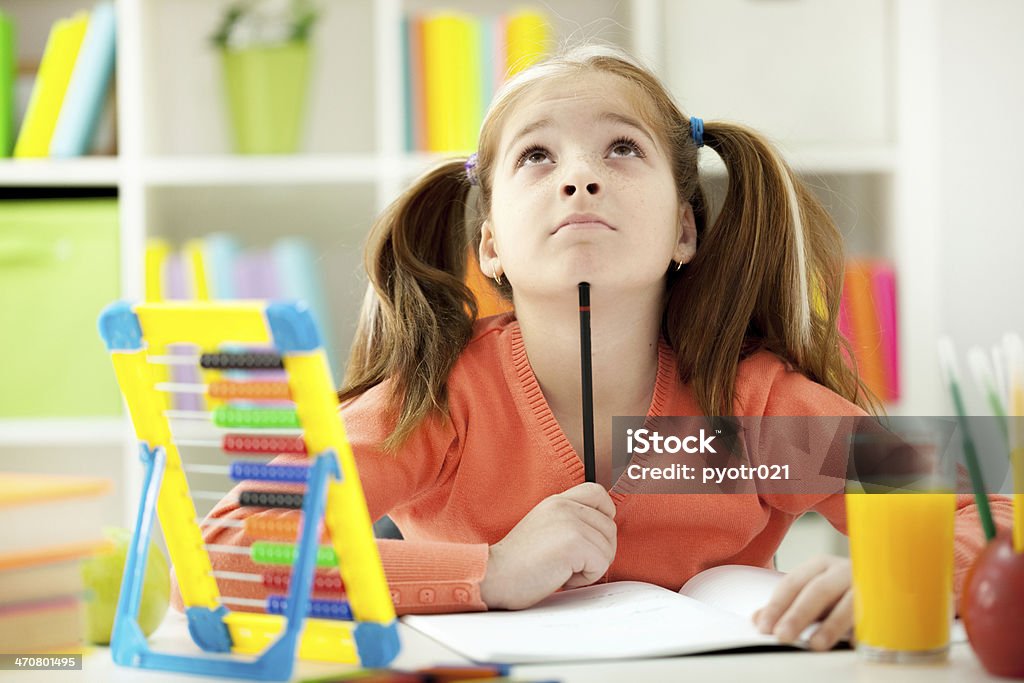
(526, 130)
(610, 116)
(627, 121)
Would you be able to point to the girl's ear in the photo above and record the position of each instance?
(489, 259)
(686, 247)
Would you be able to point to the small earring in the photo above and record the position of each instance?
(494, 274)
(679, 264)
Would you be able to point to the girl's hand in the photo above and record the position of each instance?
(817, 590)
(567, 540)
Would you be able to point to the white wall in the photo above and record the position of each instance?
(981, 174)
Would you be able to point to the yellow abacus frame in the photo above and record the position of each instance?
(371, 639)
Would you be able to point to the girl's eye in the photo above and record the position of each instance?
(532, 156)
(628, 145)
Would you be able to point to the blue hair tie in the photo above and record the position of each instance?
(697, 130)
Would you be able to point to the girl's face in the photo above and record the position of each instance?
(583, 191)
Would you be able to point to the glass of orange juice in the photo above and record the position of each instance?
(901, 552)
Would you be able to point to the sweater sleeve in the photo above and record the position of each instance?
(423, 576)
(792, 393)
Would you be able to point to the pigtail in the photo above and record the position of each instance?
(769, 271)
(417, 315)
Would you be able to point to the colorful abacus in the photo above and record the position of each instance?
(294, 391)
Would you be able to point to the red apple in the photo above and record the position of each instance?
(992, 607)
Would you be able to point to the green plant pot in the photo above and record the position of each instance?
(266, 92)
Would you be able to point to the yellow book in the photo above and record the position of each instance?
(157, 253)
(51, 84)
(463, 100)
(197, 267)
(527, 39)
(439, 87)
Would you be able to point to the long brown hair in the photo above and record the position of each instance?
(767, 271)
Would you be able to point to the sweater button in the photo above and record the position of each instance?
(461, 595)
(427, 596)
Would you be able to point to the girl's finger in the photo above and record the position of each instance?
(836, 625)
(787, 590)
(598, 521)
(592, 495)
(819, 595)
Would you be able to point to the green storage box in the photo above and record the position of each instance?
(59, 267)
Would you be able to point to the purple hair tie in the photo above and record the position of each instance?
(471, 170)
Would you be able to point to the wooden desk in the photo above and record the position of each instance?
(419, 651)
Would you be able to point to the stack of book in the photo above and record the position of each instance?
(454, 63)
(48, 524)
(868, 319)
(71, 87)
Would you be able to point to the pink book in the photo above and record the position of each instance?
(883, 287)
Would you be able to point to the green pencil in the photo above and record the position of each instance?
(947, 361)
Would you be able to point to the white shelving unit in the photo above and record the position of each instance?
(175, 176)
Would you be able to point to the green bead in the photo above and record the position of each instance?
(265, 552)
(255, 418)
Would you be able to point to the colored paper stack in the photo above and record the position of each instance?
(71, 88)
(868, 319)
(454, 63)
(48, 524)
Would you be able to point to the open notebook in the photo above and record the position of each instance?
(625, 619)
(621, 620)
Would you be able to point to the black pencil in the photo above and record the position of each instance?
(587, 376)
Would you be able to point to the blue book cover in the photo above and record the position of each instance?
(87, 90)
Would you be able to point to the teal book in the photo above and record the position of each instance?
(221, 251)
(87, 90)
(8, 76)
(407, 99)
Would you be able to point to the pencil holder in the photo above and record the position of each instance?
(991, 608)
(266, 96)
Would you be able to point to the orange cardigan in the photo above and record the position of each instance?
(461, 483)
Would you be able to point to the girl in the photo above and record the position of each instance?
(468, 432)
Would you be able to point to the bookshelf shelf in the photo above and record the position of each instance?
(260, 170)
(826, 160)
(84, 431)
(85, 172)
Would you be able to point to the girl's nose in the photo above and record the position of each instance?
(580, 173)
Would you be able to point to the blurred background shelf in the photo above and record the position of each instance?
(83, 172)
(260, 170)
(84, 431)
(825, 160)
